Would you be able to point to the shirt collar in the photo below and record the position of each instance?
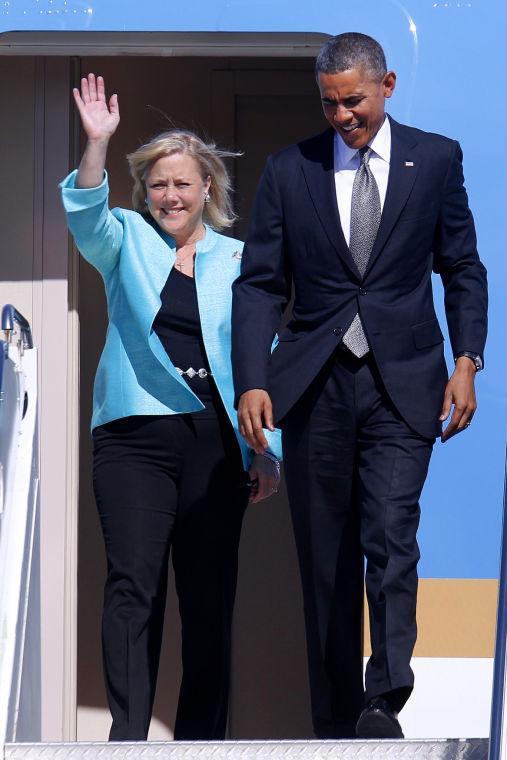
(381, 145)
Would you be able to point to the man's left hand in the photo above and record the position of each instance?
(460, 394)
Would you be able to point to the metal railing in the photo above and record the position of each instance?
(19, 566)
(498, 738)
(3, 356)
(10, 317)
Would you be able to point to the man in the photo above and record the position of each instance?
(358, 218)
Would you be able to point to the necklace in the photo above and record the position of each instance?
(182, 260)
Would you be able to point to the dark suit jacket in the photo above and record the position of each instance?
(295, 233)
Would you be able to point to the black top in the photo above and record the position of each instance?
(178, 325)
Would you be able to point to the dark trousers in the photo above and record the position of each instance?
(169, 483)
(355, 472)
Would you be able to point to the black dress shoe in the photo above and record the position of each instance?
(378, 721)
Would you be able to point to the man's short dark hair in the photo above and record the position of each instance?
(351, 50)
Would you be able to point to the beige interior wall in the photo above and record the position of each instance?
(17, 162)
(254, 102)
(34, 276)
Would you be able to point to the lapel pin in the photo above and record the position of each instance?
(237, 255)
(409, 163)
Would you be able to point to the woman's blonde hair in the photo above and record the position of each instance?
(218, 212)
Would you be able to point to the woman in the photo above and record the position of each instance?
(169, 463)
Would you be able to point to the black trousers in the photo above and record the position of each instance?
(355, 472)
(169, 483)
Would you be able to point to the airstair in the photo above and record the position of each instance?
(453, 749)
(20, 621)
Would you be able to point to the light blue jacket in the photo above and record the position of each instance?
(135, 374)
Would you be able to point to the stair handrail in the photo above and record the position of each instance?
(10, 316)
(20, 708)
(499, 691)
(3, 356)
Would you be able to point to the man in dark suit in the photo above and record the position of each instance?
(358, 218)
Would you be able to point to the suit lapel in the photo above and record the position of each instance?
(403, 168)
(318, 170)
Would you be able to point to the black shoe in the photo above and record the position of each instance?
(378, 721)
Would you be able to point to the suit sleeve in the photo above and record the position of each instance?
(262, 290)
(97, 233)
(457, 261)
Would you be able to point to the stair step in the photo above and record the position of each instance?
(434, 749)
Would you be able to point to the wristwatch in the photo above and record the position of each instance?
(477, 360)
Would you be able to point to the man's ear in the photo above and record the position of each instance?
(389, 83)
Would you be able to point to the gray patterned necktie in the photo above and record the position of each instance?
(364, 222)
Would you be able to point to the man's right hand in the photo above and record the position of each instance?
(255, 412)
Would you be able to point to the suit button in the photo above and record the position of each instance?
(362, 292)
(337, 331)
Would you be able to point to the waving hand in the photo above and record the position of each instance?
(100, 120)
(98, 117)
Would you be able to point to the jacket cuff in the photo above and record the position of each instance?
(79, 198)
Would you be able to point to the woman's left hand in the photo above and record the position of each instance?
(267, 475)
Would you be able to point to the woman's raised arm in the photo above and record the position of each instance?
(100, 120)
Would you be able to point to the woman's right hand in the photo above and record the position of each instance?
(99, 118)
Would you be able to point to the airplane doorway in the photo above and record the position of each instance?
(256, 105)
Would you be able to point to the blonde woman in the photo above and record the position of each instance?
(171, 472)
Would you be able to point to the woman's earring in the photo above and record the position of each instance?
(146, 201)
(207, 198)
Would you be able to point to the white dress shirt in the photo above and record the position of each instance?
(346, 163)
